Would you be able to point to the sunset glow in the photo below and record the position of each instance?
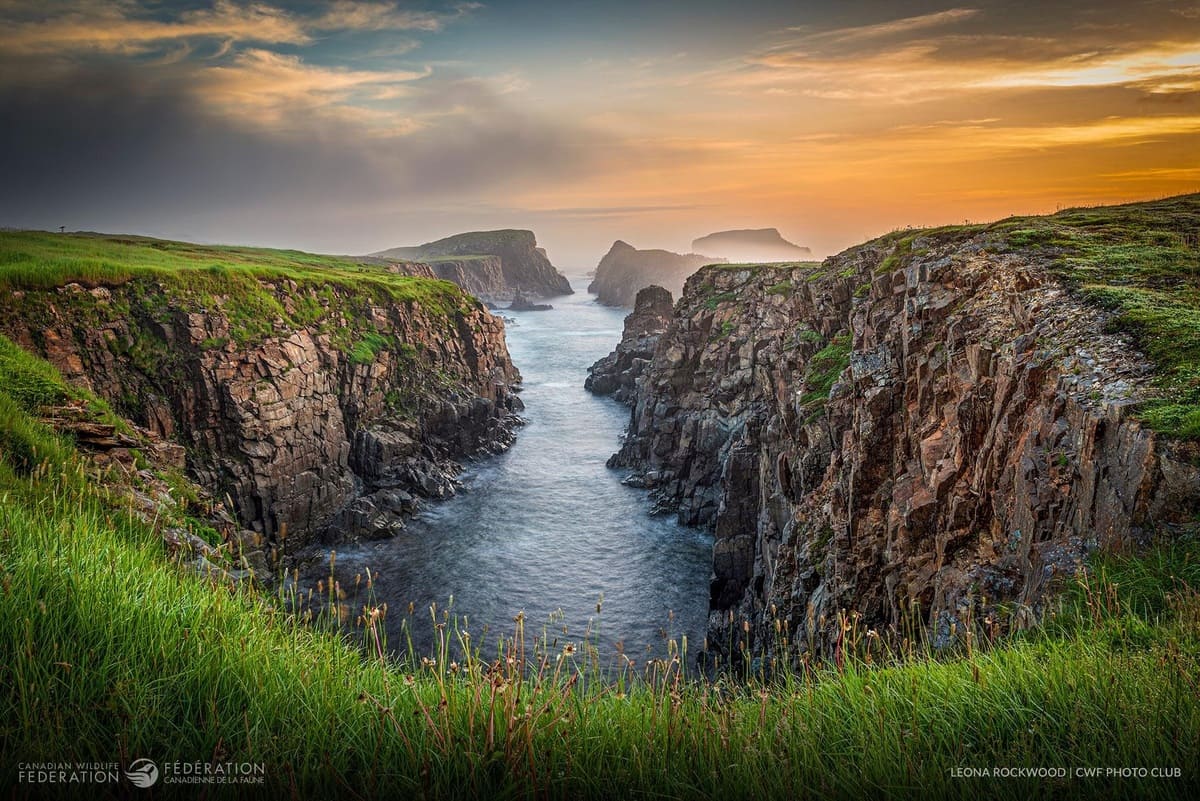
(354, 126)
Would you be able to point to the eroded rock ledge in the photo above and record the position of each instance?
(331, 429)
(616, 374)
(935, 430)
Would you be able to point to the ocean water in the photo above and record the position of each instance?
(545, 528)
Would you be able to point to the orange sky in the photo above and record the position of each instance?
(352, 126)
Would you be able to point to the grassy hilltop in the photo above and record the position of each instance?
(1140, 261)
(240, 280)
(112, 651)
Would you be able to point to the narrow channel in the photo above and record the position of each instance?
(545, 528)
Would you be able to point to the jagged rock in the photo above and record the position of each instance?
(943, 430)
(522, 303)
(625, 270)
(87, 432)
(617, 372)
(366, 518)
(289, 429)
(218, 574)
(183, 542)
(482, 276)
(248, 547)
(413, 269)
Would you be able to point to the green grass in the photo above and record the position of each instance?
(367, 349)
(713, 301)
(1141, 262)
(807, 335)
(893, 260)
(41, 260)
(247, 284)
(30, 381)
(27, 384)
(823, 370)
(113, 651)
(756, 266)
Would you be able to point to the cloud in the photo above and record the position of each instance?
(270, 88)
(1162, 68)
(375, 16)
(959, 50)
(102, 147)
(972, 140)
(312, 122)
(880, 30)
(113, 114)
(118, 27)
(226, 57)
(125, 27)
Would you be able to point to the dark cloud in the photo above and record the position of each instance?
(103, 148)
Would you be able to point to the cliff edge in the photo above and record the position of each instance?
(616, 374)
(492, 265)
(930, 425)
(319, 397)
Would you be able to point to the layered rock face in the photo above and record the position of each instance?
(523, 265)
(921, 433)
(304, 435)
(617, 373)
(625, 270)
(482, 276)
(751, 244)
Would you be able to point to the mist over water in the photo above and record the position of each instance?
(546, 527)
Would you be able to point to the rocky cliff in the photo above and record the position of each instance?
(927, 425)
(522, 264)
(751, 244)
(317, 407)
(481, 276)
(617, 373)
(624, 270)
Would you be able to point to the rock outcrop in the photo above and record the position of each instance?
(335, 427)
(928, 430)
(625, 270)
(482, 276)
(522, 303)
(617, 373)
(522, 264)
(751, 244)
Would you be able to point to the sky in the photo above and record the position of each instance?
(353, 126)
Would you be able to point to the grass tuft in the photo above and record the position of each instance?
(1142, 263)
